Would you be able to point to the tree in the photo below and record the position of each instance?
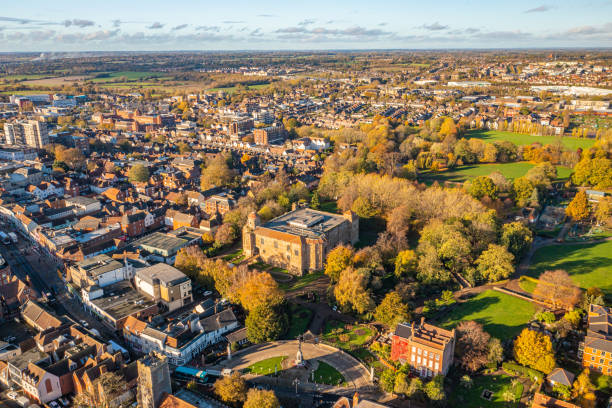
(578, 208)
(435, 389)
(258, 289)
(111, 386)
(401, 385)
(406, 263)
(261, 399)
(351, 291)
(392, 310)
(138, 173)
(314, 201)
(387, 380)
(496, 351)
(517, 237)
(523, 190)
(225, 235)
(583, 389)
(602, 212)
(231, 389)
(495, 263)
(472, 346)
(448, 127)
(534, 349)
(265, 323)
(338, 260)
(217, 173)
(483, 186)
(557, 288)
(190, 260)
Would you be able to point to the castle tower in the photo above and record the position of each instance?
(153, 380)
(354, 220)
(248, 236)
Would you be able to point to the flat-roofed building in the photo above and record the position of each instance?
(161, 247)
(101, 270)
(166, 284)
(115, 303)
(300, 240)
(426, 348)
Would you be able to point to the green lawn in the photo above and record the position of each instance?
(588, 264)
(497, 384)
(326, 374)
(527, 285)
(300, 282)
(503, 316)
(267, 366)
(299, 319)
(521, 139)
(346, 336)
(463, 173)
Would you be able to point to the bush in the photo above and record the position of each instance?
(522, 371)
(546, 317)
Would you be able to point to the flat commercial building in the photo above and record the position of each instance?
(300, 240)
(165, 284)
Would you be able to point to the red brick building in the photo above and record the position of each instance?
(426, 348)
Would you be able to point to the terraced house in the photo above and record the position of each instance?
(597, 347)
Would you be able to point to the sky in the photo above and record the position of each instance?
(153, 25)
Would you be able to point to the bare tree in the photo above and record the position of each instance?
(557, 288)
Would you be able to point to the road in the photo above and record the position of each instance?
(31, 262)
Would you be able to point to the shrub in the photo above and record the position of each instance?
(522, 371)
(546, 317)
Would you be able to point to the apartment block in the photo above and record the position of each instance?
(166, 284)
(31, 133)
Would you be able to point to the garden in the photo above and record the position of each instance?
(502, 316)
(487, 391)
(346, 336)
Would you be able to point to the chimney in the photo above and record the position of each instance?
(422, 321)
(355, 400)
(293, 206)
(103, 369)
(412, 331)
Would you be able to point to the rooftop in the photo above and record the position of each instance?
(160, 241)
(305, 222)
(99, 264)
(166, 274)
(121, 299)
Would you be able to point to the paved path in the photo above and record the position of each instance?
(351, 369)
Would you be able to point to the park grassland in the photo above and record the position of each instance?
(497, 384)
(502, 316)
(326, 374)
(520, 139)
(267, 366)
(232, 89)
(509, 170)
(588, 264)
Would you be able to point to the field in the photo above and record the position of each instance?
(463, 173)
(587, 264)
(497, 384)
(232, 89)
(519, 139)
(128, 75)
(326, 374)
(267, 366)
(503, 316)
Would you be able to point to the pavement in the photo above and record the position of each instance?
(354, 373)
